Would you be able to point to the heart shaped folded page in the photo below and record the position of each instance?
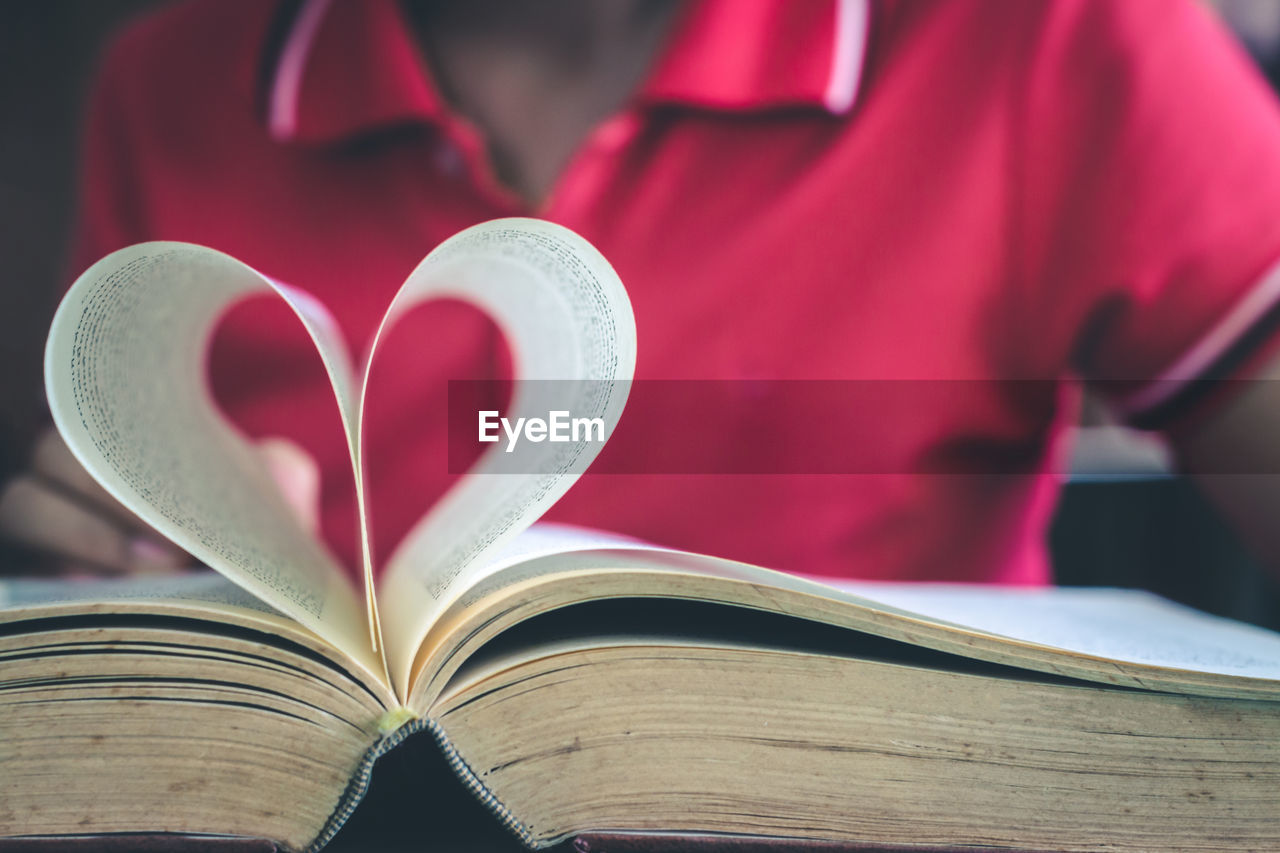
(124, 371)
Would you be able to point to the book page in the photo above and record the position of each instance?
(200, 594)
(547, 538)
(327, 337)
(1110, 636)
(1122, 625)
(197, 587)
(1118, 624)
(124, 371)
(569, 325)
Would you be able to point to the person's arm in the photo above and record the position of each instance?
(1151, 180)
(67, 523)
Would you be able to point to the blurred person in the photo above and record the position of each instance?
(986, 202)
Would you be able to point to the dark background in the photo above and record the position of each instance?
(48, 51)
(1133, 530)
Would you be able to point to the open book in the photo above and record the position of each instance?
(580, 685)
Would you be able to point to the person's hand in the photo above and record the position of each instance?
(66, 523)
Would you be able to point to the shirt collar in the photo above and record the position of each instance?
(747, 55)
(347, 67)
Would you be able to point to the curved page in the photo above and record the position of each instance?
(1109, 636)
(568, 322)
(124, 371)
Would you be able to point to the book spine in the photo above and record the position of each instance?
(359, 784)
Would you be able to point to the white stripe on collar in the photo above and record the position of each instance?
(847, 55)
(282, 112)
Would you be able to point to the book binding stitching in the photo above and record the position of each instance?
(359, 784)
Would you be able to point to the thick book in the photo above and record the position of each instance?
(588, 690)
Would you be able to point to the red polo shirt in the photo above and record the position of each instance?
(923, 199)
